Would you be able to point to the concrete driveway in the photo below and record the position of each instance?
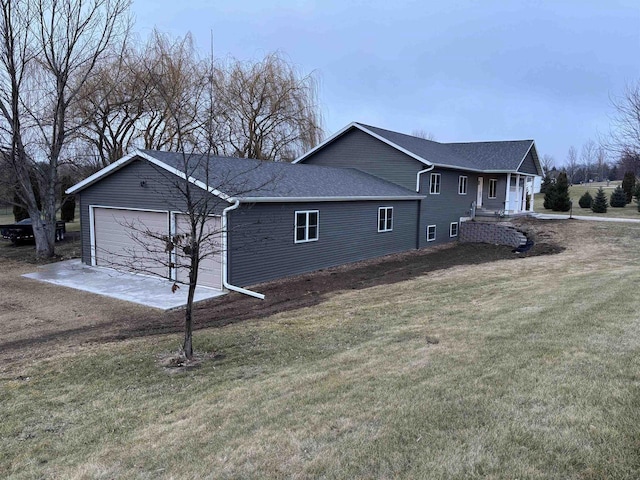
(144, 290)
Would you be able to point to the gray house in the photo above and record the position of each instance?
(268, 219)
(363, 193)
(453, 177)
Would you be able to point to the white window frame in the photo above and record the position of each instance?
(388, 215)
(463, 181)
(494, 182)
(428, 232)
(435, 182)
(451, 227)
(306, 226)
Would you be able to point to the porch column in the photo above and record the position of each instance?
(532, 195)
(507, 206)
(518, 192)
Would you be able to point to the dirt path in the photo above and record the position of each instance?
(38, 320)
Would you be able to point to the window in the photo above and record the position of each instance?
(493, 187)
(431, 233)
(306, 229)
(385, 219)
(453, 229)
(462, 185)
(434, 185)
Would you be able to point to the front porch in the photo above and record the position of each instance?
(510, 195)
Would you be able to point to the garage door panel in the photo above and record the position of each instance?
(210, 271)
(122, 240)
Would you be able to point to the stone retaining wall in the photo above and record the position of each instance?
(502, 233)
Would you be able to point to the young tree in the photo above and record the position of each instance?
(585, 200)
(48, 51)
(618, 198)
(628, 185)
(562, 201)
(600, 203)
(550, 195)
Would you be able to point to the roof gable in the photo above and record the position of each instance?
(500, 156)
(251, 180)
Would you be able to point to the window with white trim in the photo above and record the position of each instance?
(453, 229)
(434, 184)
(462, 184)
(431, 233)
(385, 219)
(306, 226)
(493, 188)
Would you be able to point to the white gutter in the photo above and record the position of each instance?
(225, 255)
(428, 169)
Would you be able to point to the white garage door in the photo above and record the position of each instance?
(209, 273)
(124, 240)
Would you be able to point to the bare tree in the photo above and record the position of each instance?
(266, 110)
(49, 49)
(423, 134)
(588, 156)
(601, 163)
(571, 165)
(624, 135)
(548, 162)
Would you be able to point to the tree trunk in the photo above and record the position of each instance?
(187, 347)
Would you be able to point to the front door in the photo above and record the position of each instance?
(479, 194)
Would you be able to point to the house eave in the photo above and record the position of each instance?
(327, 199)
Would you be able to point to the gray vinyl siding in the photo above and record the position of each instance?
(501, 192)
(440, 210)
(123, 189)
(356, 149)
(529, 165)
(261, 237)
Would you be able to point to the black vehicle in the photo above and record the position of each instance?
(22, 231)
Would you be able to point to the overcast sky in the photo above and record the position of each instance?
(461, 70)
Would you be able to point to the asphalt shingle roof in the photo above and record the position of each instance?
(482, 156)
(247, 178)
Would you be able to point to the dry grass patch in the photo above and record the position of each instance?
(535, 375)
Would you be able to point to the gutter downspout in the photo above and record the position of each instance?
(428, 169)
(225, 255)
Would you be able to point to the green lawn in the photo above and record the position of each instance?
(535, 375)
(576, 191)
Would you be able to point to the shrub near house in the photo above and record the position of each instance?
(585, 200)
(618, 198)
(600, 203)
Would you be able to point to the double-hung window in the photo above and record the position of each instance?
(493, 187)
(431, 233)
(385, 219)
(453, 229)
(434, 184)
(306, 227)
(462, 185)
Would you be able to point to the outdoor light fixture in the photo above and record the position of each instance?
(143, 183)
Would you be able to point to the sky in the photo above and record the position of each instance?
(459, 70)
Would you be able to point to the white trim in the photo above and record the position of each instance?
(324, 199)
(451, 235)
(434, 233)
(536, 161)
(480, 191)
(466, 184)
(306, 226)
(369, 132)
(92, 238)
(507, 204)
(386, 217)
(138, 153)
(495, 192)
(438, 184)
(101, 173)
(172, 255)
